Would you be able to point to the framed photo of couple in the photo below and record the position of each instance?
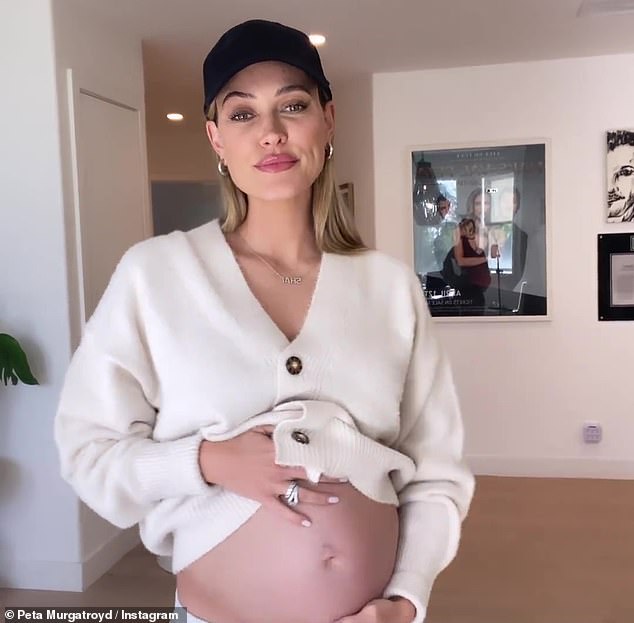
(480, 229)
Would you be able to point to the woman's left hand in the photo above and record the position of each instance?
(398, 610)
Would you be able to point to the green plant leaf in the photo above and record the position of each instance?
(14, 365)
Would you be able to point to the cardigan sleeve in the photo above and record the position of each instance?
(433, 503)
(105, 419)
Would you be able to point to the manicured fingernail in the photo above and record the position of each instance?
(333, 500)
(343, 480)
(306, 523)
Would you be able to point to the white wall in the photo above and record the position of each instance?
(108, 62)
(47, 539)
(38, 514)
(526, 387)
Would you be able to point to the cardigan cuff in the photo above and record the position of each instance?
(413, 587)
(166, 469)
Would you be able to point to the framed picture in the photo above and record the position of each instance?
(616, 276)
(620, 176)
(347, 192)
(479, 220)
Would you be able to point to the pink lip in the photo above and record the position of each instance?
(276, 163)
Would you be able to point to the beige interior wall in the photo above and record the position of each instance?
(354, 148)
(179, 154)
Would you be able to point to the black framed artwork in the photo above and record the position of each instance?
(479, 229)
(616, 276)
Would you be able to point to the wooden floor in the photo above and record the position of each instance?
(533, 551)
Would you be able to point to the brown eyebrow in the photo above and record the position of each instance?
(281, 91)
(237, 94)
(293, 87)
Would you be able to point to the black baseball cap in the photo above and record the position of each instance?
(255, 41)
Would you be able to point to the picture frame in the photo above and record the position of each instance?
(615, 254)
(347, 193)
(479, 219)
(620, 176)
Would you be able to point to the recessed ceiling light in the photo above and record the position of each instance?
(317, 40)
(175, 116)
(605, 7)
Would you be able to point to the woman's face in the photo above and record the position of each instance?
(469, 229)
(477, 205)
(272, 131)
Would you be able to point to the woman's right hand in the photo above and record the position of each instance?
(246, 465)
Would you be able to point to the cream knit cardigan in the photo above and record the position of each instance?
(179, 350)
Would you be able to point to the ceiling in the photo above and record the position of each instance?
(364, 37)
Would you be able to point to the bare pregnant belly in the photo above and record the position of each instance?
(270, 571)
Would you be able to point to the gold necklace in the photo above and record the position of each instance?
(286, 280)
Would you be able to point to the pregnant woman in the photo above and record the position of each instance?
(265, 395)
(475, 264)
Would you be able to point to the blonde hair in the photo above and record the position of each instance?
(335, 230)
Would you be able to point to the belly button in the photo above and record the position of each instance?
(328, 555)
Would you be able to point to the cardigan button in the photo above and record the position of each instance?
(300, 437)
(294, 365)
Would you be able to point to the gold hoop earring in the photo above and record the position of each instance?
(329, 151)
(222, 168)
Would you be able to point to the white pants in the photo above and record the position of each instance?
(191, 618)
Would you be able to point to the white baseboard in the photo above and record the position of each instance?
(108, 555)
(54, 575)
(551, 467)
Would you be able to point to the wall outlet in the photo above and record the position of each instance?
(592, 432)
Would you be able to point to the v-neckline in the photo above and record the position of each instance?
(247, 294)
